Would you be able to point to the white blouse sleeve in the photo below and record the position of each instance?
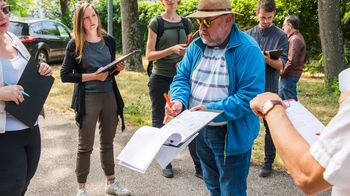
(332, 150)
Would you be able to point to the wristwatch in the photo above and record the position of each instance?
(269, 104)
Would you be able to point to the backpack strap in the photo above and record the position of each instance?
(160, 29)
(186, 25)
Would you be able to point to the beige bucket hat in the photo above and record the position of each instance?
(210, 8)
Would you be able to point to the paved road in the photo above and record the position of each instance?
(55, 175)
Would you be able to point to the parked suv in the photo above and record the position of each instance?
(45, 39)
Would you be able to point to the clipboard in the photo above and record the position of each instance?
(110, 66)
(38, 87)
(274, 54)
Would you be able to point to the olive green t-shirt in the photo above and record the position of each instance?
(167, 66)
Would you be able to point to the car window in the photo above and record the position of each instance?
(16, 28)
(49, 28)
(63, 32)
(35, 29)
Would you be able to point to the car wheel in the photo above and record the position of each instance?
(42, 56)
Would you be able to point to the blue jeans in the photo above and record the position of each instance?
(222, 177)
(288, 87)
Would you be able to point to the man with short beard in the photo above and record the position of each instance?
(269, 37)
(222, 70)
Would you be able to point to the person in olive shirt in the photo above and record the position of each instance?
(165, 55)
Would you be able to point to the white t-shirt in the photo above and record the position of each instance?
(332, 151)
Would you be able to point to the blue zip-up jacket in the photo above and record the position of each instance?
(246, 69)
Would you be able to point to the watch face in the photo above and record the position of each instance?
(269, 104)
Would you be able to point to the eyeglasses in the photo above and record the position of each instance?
(206, 22)
(5, 10)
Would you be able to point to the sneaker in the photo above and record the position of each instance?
(168, 171)
(117, 189)
(82, 192)
(266, 170)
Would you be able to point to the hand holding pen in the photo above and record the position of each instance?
(12, 93)
(172, 108)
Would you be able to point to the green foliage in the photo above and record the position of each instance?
(102, 8)
(19, 8)
(314, 67)
(53, 11)
(305, 9)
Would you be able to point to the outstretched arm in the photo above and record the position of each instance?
(306, 172)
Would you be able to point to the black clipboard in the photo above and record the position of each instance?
(274, 54)
(111, 65)
(38, 87)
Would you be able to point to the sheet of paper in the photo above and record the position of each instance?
(188, 123)
(142, 148)
(304, 121)
(344, 80)
(167, 153)
(146, 142)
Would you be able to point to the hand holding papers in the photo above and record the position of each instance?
(111, 65)
(308, 126)
(148, 142)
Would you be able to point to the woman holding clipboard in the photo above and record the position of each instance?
(20, 145)
(96, 96)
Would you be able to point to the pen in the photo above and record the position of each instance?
(23, 93)
(166, 97)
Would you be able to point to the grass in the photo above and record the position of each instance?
(134, 89)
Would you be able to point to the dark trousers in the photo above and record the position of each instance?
(158, 85)
(19, 158)
(100, 107)
(269, 148)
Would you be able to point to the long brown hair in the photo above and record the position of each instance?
(79, 31)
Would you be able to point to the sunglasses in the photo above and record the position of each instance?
(206, 22)
(5, 10)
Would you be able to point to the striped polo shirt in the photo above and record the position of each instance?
(210, 79)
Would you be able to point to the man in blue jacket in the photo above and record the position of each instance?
(222, 70)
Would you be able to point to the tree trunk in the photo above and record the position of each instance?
(331, 38)
(131, 33)
(64, 5)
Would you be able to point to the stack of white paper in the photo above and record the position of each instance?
(165, 143)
